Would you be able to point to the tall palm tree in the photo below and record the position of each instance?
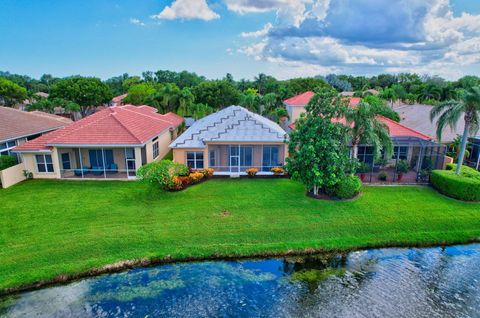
(367, 128)
(449, 113)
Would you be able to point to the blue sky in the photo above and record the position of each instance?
(284, 38)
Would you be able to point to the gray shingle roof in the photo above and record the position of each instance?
(232, 124)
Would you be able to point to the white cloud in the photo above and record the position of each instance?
(256, 34)
(137, 22)
(188, 10)
(363, 35)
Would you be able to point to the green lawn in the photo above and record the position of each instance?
(60, 227)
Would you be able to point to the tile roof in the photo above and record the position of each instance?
(119, 98)
(303, 99)
(15, 123)
(396, 129)
(118, 125)
(232, 124)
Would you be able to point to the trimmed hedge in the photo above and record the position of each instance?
(464, 187)
(347, 188)
(7, 161)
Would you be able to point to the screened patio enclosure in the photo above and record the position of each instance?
(421, 156)
(110, 163)
(238, 158)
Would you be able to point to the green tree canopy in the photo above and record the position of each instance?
(218, 94)
(87, 92)
(318, 147)
(11, 93)
(138, 93)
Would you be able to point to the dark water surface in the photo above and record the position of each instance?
(416, 282)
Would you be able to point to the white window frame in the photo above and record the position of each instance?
(155, 150)
(195, 160)
(44, 163)
(8, 148)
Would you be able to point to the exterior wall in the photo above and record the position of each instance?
(30, 164)
(180, 155)
(295, 112)
(163, 141)
(12, 175)
(118, 157)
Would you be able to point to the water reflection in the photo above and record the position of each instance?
(432, 282)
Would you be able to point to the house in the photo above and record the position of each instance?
(417, 117)
(18, 127)
(296, 104)
(347, 94)
(112, 143)
(231, 141)
(118, 100)
(418, 149)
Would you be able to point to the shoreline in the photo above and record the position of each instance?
(125, 265)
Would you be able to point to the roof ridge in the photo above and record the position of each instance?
(146, 115)
(126, 128)
(248, 117)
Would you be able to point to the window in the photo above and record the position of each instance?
(155, 150)
(246, 155)
(365, 154)
(44, 163)
(211, 158)
(5, 147)
(195, 159)
(400, 153)
(270, 157)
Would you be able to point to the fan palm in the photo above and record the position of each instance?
(365, 127)
(449, 113)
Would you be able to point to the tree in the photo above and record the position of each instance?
(185, 100)
(217, 94)
(49, 104)
(87, 92)
(380, 107)
(11, 93)
(116, 84)
(138, 93)
(339, 84)
(201, 110)
(449, 113)
(388, 94)
(318, 146)
(366, 128)
(297, 86)
(250, 100)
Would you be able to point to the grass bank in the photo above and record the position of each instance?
(52, 228)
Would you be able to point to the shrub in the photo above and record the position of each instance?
(196, 177)
(185, 180)
(277, 171)
(382, 176)
(251, 172)
(402, 167)
(347, 188)
(207, 172)
(163, 173)
(363, 168)
(464, 187)
(7, 161)
(176, 184)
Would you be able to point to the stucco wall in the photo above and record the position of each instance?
(12, 175)
(295, 113)
(30, 165)
(163, 141)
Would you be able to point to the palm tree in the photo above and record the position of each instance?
(449, 113)
(367, 128)
(185, 100)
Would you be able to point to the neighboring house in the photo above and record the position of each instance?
(118, 100)
(473, 160)
(112, 143)
(417, 117)
(409, 144)
(296, 104)
(371, 92)
(231, 141)
(347, 94)
(17, 127)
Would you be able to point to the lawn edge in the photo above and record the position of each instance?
(121, 266)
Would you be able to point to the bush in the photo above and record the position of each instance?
(347, 188)
(207, 172)
(363, 168)
(382, 176)
(464, 187)
(163, 173)
(402, 167)
(196, 177)
(277, 171)
(7, 161)
(251, 172)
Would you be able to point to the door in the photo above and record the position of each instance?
(234, 159)
(66, 161)
(130, 162)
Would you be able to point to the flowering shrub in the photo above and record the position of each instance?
(176, 184)
(251, 172)
(196, 177)
(277, 171)
(185, 181)
(163, 173)
(207, 172)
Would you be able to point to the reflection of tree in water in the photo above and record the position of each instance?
(6, 303)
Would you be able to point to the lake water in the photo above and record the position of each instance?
(416, 282)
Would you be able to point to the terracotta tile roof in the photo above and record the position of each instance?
(119, 98)
(303, 99)
(118, 125)
(396, 129)
(15, 123)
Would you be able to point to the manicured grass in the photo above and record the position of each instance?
(50, 228)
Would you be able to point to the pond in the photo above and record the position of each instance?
(413, 282)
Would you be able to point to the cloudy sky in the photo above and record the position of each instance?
(284, 38)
